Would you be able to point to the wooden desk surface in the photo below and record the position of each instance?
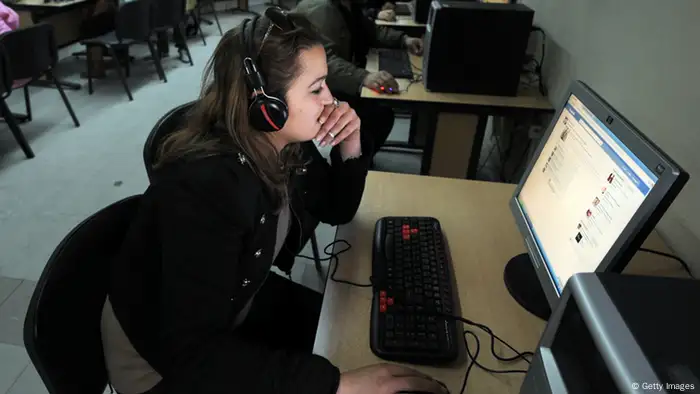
(415, 91)
(482, 237)
(401, 21)
(41, 4)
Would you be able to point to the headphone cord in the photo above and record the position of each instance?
(333, 257)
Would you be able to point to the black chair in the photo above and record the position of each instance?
(5, 91)
(134, 24)
(171, 122)
(32, 53)
(170, 14)
(62, 325)
(201, 5)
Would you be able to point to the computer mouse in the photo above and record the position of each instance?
(385, 90)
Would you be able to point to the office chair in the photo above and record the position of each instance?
(5, 91)
(201, 4)
(134, 24)
(171, 14)
(62, 325)
(26, 66)
(175, 119)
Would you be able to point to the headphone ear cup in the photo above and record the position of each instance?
(267, 113)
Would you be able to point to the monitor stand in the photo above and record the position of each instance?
(524, 286)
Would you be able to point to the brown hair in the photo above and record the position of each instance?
(224, 100)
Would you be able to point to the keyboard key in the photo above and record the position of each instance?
(389, 322)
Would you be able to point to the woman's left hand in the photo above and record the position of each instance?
(339, 123)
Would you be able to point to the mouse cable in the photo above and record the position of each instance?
(334, 257)
(494, 337)
(474, 361)
(540, 65)
(670, 256)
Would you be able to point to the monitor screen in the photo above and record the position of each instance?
(584, 188)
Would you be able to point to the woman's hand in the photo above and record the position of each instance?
(414, 45)
(339, 124)
(387, 15)
(388, 379)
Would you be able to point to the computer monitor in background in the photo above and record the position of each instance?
(594, 190)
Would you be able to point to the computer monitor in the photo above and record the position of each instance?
(593, 191)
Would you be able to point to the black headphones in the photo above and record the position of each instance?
(266, 112)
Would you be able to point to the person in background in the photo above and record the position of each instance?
(9, 21)
(381, 9)
(348, 35)
(192, 305)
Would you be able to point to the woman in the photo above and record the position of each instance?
(192, 305)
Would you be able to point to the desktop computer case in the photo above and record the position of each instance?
(475, 48)
(615, 333)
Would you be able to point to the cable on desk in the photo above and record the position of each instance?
(415, 67)
(416, 78)
(670, 256)
(494, 337)
(540, 64)
(332, 256)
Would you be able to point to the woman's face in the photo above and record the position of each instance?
(306, 97)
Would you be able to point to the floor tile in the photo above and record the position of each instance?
(28, 382)
(7, 287)
(32, 245)
(13, 360)
(12, 313)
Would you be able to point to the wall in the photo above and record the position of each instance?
(643, 57)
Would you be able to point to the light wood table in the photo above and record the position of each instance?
(65, 16)
(481, 236)
(456, 122)
(402, 21)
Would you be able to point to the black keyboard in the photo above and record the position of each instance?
(412, 278)
(402, 9)
(396, 62)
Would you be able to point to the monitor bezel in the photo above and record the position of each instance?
(669, 184)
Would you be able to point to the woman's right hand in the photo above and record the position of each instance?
(387, 379)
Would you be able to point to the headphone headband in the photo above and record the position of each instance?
(265, 112)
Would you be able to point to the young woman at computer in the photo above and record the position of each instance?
(192, 305)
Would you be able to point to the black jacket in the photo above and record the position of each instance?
(198, 250)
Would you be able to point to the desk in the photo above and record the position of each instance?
(404, 23)
(482, 237)
(457, 122)
(65, 16)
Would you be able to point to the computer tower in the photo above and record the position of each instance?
(618, 333)
(475, 48)
(421, 8)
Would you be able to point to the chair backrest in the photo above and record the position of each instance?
(169, 13)
(170, 122)
(5, 76)
(30, 50)
(135, 20)
(62, 326)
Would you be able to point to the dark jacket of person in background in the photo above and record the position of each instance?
(350, 34)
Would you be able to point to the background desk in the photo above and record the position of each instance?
(404, 23)
(65, 16)
(456, 122)
(482, 237)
